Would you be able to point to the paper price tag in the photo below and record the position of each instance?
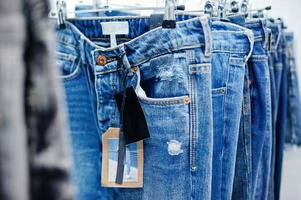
(133, 162)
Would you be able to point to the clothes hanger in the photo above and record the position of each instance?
(221, 9)
(209, 8)
(234, 5)
(169, 11)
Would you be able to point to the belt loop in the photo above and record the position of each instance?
(279, 36)
(207, 34)
(125, 62)
(266, 34)
(251, 39)
(269, 40)
(82, 52)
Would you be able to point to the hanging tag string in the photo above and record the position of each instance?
(121, 145)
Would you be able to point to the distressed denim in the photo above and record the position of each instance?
(261, 110)
(293, 134)
(175, 64)
(232, 46)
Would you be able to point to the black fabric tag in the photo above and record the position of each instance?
(156, 20)
(134, 123)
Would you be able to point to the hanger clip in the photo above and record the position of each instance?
(245, 7)
(61, 13)
(208, 8)
(234, 6)
(170, 14)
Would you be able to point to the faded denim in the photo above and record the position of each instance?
(261, 110)
(232, 46)
(174, 64)
(293, 133)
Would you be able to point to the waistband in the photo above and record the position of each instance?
(229, 37)
(276, 34)
(259, 29)
(238, 19)
(192, 33)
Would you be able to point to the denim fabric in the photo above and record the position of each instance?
(242, 185)
(281, 118)
(243, 175)
(293, 133)
(232, 45)
(174, 64)
(275, 75)
(274, 117)
(275, 61)
(261, 111)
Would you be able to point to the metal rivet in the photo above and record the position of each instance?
(101, 60)
(193, 168)
(186, 100)
(135, 69)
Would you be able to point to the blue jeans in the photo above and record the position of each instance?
(242, 185)
(261, 111)
(243, 175)
(232, 46)
(293, 134)
(281, 123)
(275, 66)
(175, 65)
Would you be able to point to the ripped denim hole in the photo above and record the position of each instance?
(174, 147)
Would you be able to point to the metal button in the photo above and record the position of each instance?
(101, 60)
(186, 100)
(193, 168)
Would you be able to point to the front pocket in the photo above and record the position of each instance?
(68, 64)
(166, 152)
(182, 100)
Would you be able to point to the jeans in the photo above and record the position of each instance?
(275, 75)
(175, 70)
(293, 133)
(242, 185)
(261, 111)
(243, 176)
(232, 46)
(281, 122)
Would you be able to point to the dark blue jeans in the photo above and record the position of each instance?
(275, 65)
(281, 123)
